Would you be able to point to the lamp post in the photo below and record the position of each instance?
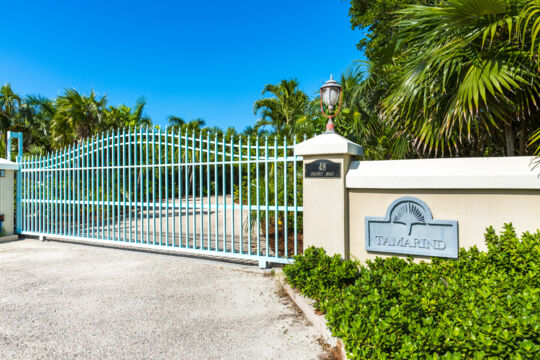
(331, 91)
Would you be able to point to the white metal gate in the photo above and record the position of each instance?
(159, 189)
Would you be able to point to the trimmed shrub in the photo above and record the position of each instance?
(483, 305)
(319, 275)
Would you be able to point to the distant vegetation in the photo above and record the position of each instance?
(52, 124)
(443, 78)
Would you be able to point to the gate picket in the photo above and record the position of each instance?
(217, 196)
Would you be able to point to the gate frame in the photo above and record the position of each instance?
(51, 201)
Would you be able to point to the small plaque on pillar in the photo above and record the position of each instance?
(323, 169)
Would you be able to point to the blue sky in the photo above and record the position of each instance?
(207, 59)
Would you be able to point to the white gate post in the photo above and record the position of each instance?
(326, 161)
(7, 188)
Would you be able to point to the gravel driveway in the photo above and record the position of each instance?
(65, 301)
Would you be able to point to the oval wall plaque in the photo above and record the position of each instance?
(409, 228)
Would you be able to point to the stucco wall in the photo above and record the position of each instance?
(7, 201)
(475, 192)
(473, 209)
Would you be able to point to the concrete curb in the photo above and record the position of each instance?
(9, 238)
(318, 321)
(239, 264)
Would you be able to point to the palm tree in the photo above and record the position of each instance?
(462, 77)
(175, 122)
(529, 28)
(359, 121)
(283, 109)
(9, 103)
(77, 116)
(193, 126)
(36, 113)
(123, 116)
(139, 118)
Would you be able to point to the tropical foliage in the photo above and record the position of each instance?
(376, 18)
(289, 112)
(456, 77)
(76, 117)
(49, 124)
(483, 305)
(463, 78)
(451, 77)
(286, 108)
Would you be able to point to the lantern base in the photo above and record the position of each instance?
(330, 126)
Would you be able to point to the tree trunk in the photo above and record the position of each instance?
(523, 137)
(509, 139)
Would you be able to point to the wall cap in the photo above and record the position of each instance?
(8, 165)
(328, 144)
(453, 173)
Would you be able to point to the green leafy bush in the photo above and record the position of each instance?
(319, 275)
(483, 305)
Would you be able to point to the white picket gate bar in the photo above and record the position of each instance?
(159, 189)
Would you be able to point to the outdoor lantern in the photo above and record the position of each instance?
(330, 94)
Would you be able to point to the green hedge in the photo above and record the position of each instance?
(483, 305)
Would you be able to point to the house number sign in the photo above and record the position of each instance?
(323, 169)
(409, 228)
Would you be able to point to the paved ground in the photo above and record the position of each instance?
(73, 301)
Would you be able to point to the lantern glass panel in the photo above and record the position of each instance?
(330, 96)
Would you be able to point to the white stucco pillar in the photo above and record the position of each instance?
(7, 195)
(326, 161)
